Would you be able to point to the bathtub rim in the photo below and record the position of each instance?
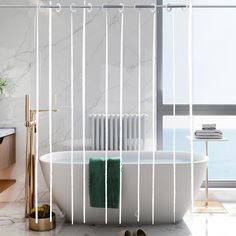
(46, 158)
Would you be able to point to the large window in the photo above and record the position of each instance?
(222, 155)
(214, 84)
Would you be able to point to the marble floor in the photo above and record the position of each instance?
(12, 223)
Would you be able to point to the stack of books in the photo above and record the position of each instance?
(208, 131)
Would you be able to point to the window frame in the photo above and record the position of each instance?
(181, 109)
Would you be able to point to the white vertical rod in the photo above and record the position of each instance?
(125, 132)
(110, 125)
(153, 115)
(139, 112)
(190, 71)
(97, 117)
(106, 111)
(72, 113)
(130, 132)
(50, 103)
(83, 111)
(121, 107)
(174, 111)
(101, 120)
(37, 114)
(116, 132)
(93, 132)
(135, 132)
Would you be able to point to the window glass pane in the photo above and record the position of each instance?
(222, 161)
(214, 54)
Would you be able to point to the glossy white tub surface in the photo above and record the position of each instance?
(164, 182)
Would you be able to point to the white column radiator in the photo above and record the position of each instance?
(130, 134)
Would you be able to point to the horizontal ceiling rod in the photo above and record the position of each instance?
(151, 6)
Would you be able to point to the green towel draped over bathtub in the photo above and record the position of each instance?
(97, 182)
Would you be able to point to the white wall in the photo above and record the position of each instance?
(17, 47)
(16, 54)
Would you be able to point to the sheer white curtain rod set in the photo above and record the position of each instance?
(120, 6)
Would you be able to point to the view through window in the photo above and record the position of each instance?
(214, 83)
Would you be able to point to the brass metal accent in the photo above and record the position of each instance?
(213, 207)
(30, 125)
(43, 224)
(208, 206)
(44, 110)
(206, 180)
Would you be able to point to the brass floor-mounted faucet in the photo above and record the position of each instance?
(31, 127)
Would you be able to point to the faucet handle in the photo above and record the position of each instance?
(46, 110)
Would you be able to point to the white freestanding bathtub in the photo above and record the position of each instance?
(163, 186)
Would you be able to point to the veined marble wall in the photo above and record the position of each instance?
(16, 59)
(17, 49)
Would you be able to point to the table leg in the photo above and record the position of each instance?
(206, 178)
